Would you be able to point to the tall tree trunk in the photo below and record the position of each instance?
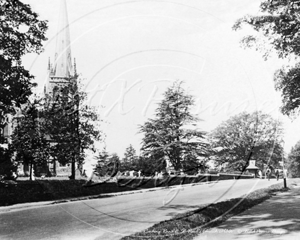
(73, 168)
(30, 171)
(54, 167)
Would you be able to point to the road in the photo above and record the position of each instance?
(117, 216)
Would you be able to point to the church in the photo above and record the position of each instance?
(59, 73)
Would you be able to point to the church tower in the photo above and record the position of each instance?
(61, 70)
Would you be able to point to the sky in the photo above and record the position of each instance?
(128, 52)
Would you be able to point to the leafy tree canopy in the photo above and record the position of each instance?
(278, 27)
(172, 134)
(107, 164)
(29, 138)
(130, 158)
(21, 32)
(72, 125)
(149, 165)
(59, 127)
(7, 167)
(245, 136)
(293, 161)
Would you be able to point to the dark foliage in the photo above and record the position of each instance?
(247, 136)
(21, 32)
(173, 134)
(278, 25)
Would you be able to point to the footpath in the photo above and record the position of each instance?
(275, 218)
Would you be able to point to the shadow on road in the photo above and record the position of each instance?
(279, 216)
(178, 208)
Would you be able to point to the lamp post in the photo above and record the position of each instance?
(283, 169)
(284, 175)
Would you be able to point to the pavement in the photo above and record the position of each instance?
(275, 218)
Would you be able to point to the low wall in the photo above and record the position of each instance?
(226, 176)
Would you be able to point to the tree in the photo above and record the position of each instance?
(7, 167)
(150, 165)
(172, 133)
(130, 159)
(72, 125)
(21, 32)
(293, 161)
(108, 164)
(278, 27)
(193, 163)
(147, 165)
(247, 136)
(114, 166)
(29, 138)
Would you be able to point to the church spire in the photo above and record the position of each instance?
(62, 67)
(61, 70)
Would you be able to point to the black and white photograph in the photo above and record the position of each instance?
(149, 119)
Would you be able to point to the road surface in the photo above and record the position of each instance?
(118, 216)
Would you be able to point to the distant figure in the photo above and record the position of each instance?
(277, 174)
(259, 174)
(268, 173)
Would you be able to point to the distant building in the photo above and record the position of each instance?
(59, 74)
(6, 132)
(252, 168)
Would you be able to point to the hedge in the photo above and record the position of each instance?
(46, 190)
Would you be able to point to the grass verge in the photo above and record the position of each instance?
(188, 225)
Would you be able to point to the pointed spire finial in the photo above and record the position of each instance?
(62, 68)
(49, 67)
(75, 69)
(63, 61)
